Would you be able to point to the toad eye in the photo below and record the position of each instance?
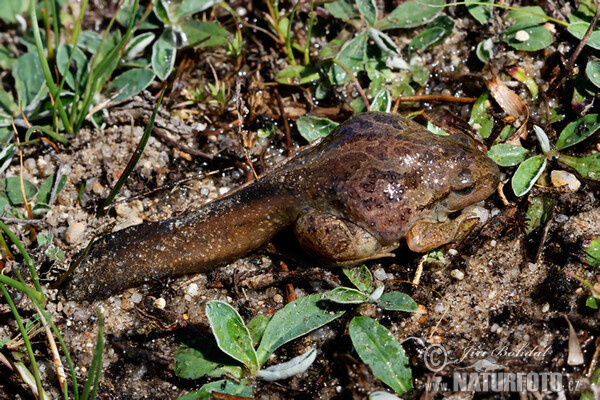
(466, 190)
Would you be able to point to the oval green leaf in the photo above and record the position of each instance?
(578, 29)
(232, 335)
(294, 320)
(507, 155)
(592, 71)
(344, 295)
(397, 301)
(527, 174)
(588, 167)
(313, 128)
(360, 277)
(577, 131)
(130, 83)
(163, 55)
(203, 358)
(79, 69)
(410, 14)
(377, 347)
(382, 101)
(368, 10)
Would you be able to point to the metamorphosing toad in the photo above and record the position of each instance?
(378, 180)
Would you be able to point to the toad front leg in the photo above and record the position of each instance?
(335, 241)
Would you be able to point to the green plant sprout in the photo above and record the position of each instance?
(236, 339)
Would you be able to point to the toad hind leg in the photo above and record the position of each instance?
(335, 241)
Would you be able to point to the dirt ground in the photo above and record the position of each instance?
(501, 296)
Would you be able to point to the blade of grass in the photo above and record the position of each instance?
(97, 73)
(308, 33)
(15, 312)
(135, 158)
(96, 366)
(27, 259)
(46, 68)
(74, 40)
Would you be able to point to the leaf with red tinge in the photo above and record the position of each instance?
(512, 104)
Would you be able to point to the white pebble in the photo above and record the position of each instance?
(561, 178)
(74, 232)
(439, 307)
(192, 289)
(457, 274)
(160, 303)
(136, 297)
(522, 36)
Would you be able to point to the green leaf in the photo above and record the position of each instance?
(257, 326)
(397, 301)
(527, 174)
(484, 50)
(29, 79)
(519, 74)
(536, 34)
(89, 41)
(591, 252)
(125, 13)
(507, 155)
(368, 10)
(6, 155)
(312, 128)
(295, 366)
(189, 7)
(294, 320)
(43, 196)
(590, 302)
(592, 71)
(232, 335)
(130, 83)
(434, 33)
(242, 388)
(538, 213)
(578, 29)
(12, 8)
(297, 75)
(352, 56)
(377, 347)
(12, 187)
(344, 295)
(410, 14)
(588, 167)
(480, 120)
(341, 9)
(203, 359)
(163, 55)
(382, 102)
(360, 277)
(7, 58)
(138, 44)
(481, 13)
(203, 34)
(79, 64)
(578, 130)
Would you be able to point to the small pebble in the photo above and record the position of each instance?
(546, 307)
(439, 307)
(74, 232)
(192, 289)
(278, 298)
(561, 178)
(136, 297)
(522, 36)
(160, 303)
(457, 274)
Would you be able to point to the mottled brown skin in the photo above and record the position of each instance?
(352, 197)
